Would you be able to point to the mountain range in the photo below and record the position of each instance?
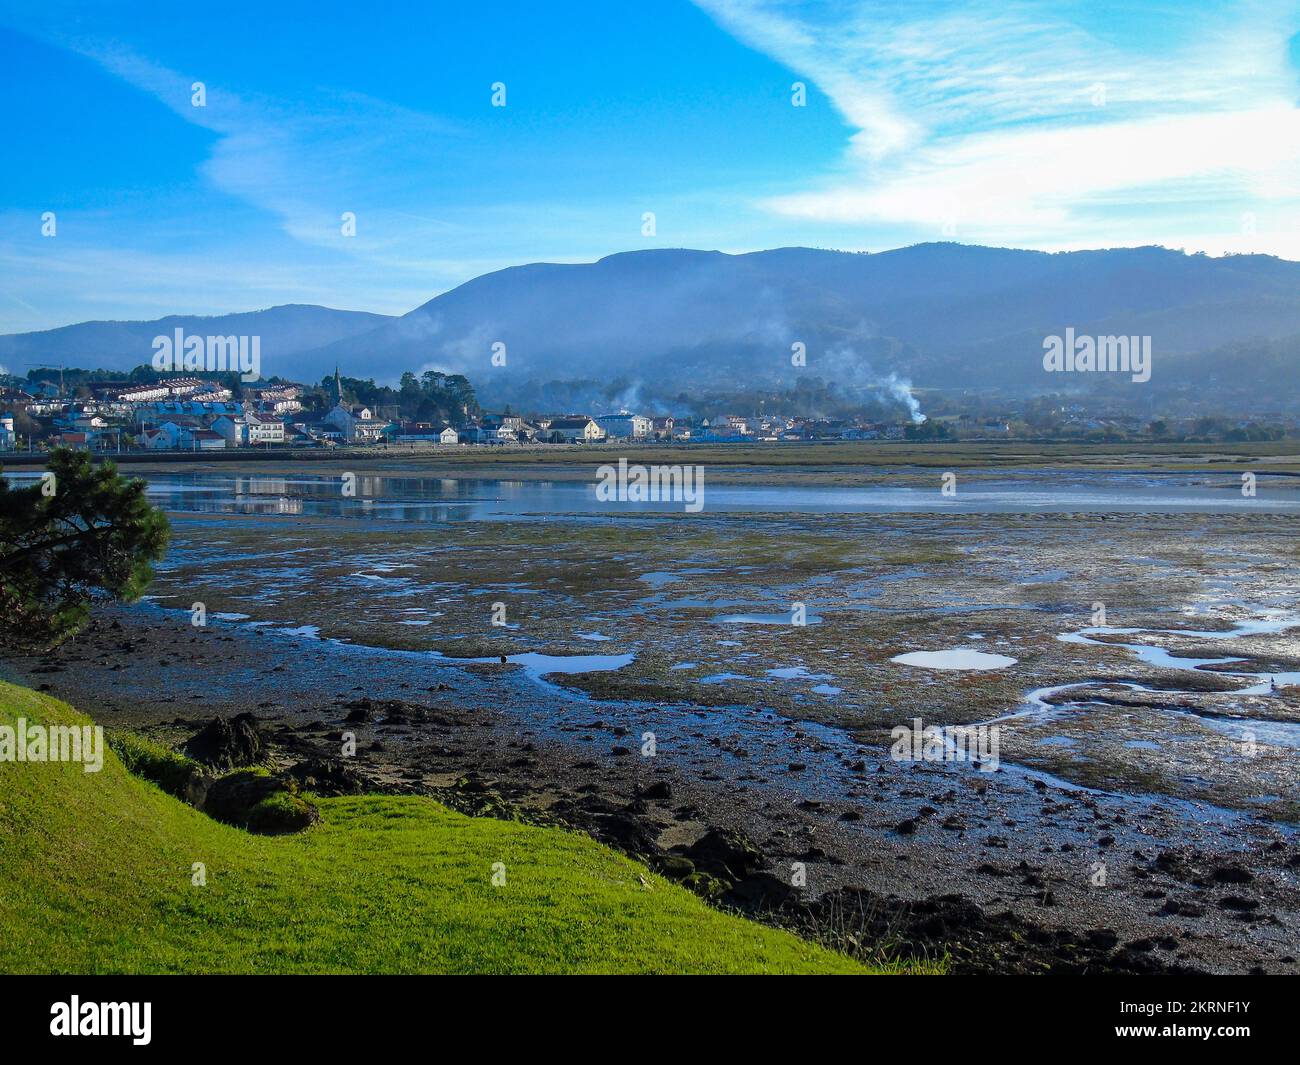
(671, 323)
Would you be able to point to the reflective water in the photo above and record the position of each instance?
(467, 499)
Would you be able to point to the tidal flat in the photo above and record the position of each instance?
(1142, 670)
(705, 611)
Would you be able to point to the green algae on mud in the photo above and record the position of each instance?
(663, 586)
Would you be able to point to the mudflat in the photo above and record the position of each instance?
(670, 676)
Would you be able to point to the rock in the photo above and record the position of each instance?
(706, 886)
(659, 791)
(762, 891)
(1182, 909)
(725, 853)
(227, 744)
(260, 803)
(329, 776)
(625, 831)
(194, 785)
(1232, 874)
(675, 867)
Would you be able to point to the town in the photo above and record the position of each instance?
(194, 413)
(150, 411)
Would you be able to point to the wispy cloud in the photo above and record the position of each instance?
(306, 163)
(1049, 124)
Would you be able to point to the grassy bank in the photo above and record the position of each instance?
(98, 873)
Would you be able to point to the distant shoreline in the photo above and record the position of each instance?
(1272, 457)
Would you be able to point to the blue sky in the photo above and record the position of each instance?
(1043, 124)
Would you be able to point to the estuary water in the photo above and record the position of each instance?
(443, 499)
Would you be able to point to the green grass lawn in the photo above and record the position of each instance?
(96, 871)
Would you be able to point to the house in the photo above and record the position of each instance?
(513, 422)
(474, 433)
(168, 434)
(15, 397)
(137, 393)
(356, 424)
(183, 434)
(278, 399)
(298, 436)
(319, 431)
(662, 428)
(410, 432)
(263, 429)
(570, 430)
(203, 440)
(8, 438)
(624, 425)
(88, 423)
(234, 431)
(422, 432)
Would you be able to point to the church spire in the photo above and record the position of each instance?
(338, 386)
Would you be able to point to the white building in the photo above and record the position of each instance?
(249, 429)
(264, 430)
(569, 430)
(143, 393)
(357, 425)
(234, 431)
(279, 399)
(624, 425)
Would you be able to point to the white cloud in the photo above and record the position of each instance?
(306, 163)
(987, 125)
